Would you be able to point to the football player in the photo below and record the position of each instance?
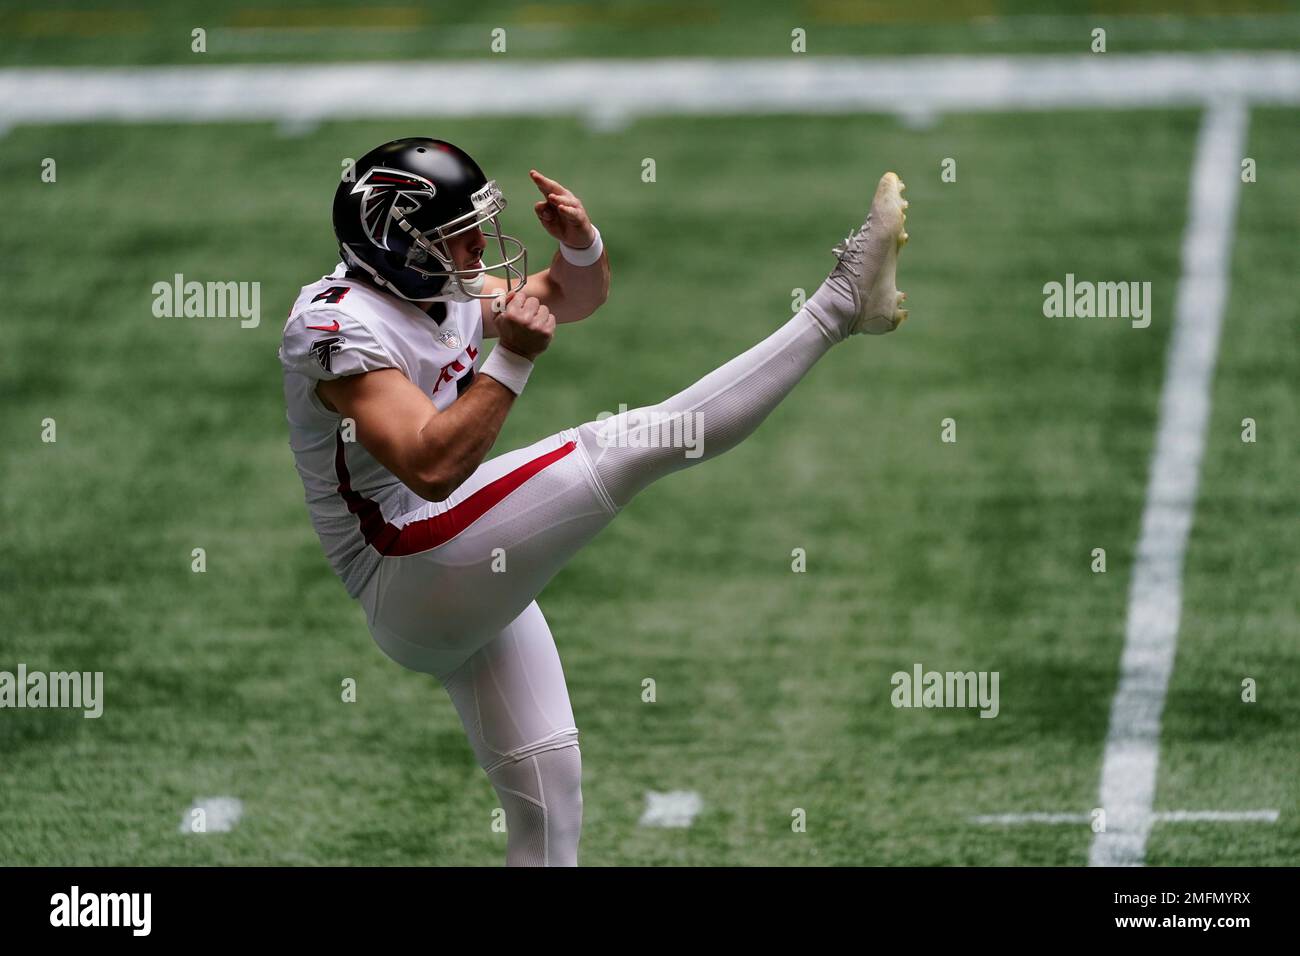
(445, 551)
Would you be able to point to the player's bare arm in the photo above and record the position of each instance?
(572, 291)
(430, 451)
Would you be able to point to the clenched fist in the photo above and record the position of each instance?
(524, 325)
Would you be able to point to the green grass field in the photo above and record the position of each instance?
(773, 687)
(129, 32)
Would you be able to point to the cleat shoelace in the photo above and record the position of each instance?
(849, 249)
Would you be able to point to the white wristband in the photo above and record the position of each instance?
(508, 368)
(583, 257)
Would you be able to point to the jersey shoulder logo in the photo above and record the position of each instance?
(324, 350)
(384, 191)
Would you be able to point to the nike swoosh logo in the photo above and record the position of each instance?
(326, 328)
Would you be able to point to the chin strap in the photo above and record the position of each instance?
(356, 261)
(460, 289)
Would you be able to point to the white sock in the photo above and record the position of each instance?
(832, 306)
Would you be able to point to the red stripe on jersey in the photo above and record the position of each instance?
(428, 533)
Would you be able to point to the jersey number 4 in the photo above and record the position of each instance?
(333, 295)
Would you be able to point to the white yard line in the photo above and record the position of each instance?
(1166, 816)
(1128, 776)
(613, 91)
(1217, 816)
(1011, 819)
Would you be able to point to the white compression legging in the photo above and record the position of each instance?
(514, 705)
(464, 610)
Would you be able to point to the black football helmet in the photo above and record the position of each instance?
(394, 214)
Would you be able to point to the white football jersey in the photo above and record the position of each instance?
(340, 326)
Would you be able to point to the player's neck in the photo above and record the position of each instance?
(435, 310)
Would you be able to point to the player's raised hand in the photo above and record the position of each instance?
(561, 213)
(525, 326)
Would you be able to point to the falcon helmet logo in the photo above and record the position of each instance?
(386, 192)
(325, 349)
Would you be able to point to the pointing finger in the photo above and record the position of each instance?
(545, 185)
(543, 180)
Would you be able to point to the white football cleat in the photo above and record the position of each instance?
(869, 260)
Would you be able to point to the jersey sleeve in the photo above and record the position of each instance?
(326, 344)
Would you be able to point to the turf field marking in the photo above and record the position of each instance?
(1166, 816)
(1011, 819)
(611, 92)
(1132, 755)
(1217, 816)
(677, 808)
(219, 815)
